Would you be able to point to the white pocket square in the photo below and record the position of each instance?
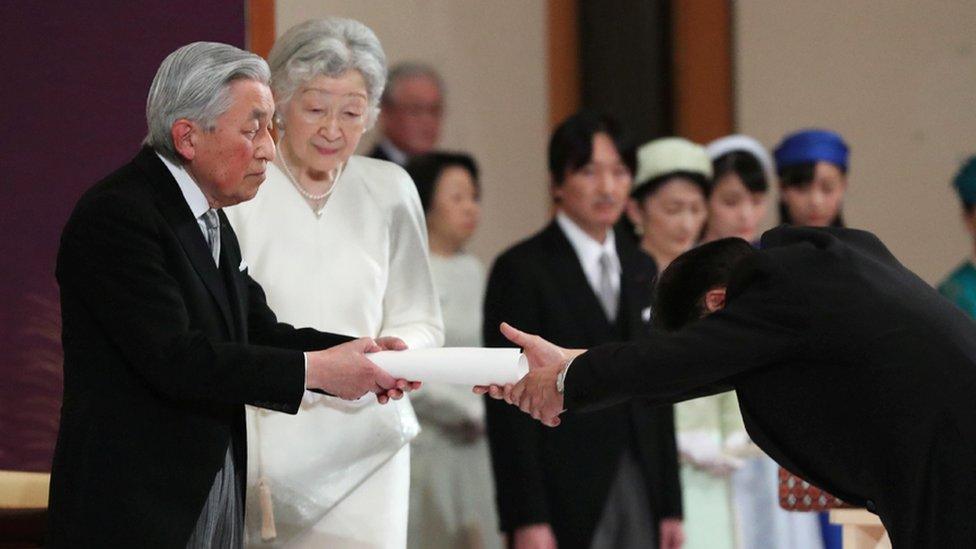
(646, 314)
(243, 266)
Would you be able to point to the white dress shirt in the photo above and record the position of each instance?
(589, 251)
(194, 197)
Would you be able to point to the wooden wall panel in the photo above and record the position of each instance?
(702, 69)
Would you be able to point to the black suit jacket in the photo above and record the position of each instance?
(850, 371)
(378, 152)
(562, 476)
(161, 352)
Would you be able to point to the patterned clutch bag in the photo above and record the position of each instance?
(796, 494)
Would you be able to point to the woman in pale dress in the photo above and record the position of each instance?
(451, 489)
(668, 208)
(743, 171)
(339, 243)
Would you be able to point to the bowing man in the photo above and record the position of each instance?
(850, 371)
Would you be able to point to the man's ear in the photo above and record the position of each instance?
(184, 134)
(715, 299)
(555, 192)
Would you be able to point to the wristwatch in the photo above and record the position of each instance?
(561, 377)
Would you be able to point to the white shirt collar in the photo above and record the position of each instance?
(396, 155)
(589, 251)
(194, 197)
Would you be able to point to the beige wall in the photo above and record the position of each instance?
(492, 57)
(897, 78)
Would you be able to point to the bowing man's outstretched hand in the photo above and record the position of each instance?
(535, 394)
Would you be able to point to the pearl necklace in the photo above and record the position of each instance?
(301, 190)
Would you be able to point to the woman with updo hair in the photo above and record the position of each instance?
(339, 243)
(452, 493)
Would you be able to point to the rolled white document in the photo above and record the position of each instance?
(459, 365)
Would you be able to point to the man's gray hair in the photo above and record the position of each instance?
(410, 69)
(192, 83)
(328, 47)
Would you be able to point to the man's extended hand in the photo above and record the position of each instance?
(346, 372)
(535, 394)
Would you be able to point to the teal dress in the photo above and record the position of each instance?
(960, 287)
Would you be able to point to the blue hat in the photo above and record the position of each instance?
(965, 182)
(811, 146)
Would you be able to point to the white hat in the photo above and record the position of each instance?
(737, 142)
(669, 155)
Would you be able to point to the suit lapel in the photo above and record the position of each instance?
(230, 257)
(637, 275)
(177, 213)
(573, 282)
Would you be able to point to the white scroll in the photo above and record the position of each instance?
(458, 365)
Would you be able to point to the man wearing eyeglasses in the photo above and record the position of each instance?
(412, 110)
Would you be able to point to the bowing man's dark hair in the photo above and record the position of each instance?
(571, 145)
(426, 169)
(679, 297)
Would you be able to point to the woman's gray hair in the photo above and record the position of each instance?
(328, 47)
(192, 83)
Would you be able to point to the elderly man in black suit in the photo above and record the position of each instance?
(165, 335)
(850, 370)
(579, 283)
(412, 112)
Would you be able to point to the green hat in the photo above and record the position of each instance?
(670, 155)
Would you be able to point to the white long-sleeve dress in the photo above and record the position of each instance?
(452, 495)
(339, 471)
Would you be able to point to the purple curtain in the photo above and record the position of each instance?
(75, 79)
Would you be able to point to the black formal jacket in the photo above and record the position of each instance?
(161, 352)
(850, 370)
(562, 476)
(379, 153)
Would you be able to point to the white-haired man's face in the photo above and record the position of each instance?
(229, 161)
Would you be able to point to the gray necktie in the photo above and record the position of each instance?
(606, 292)
(212, 222)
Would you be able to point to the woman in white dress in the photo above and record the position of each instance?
(339, 243)
(451, 489)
